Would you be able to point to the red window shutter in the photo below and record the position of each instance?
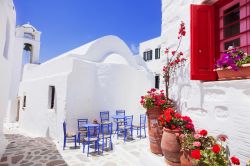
(202, 43)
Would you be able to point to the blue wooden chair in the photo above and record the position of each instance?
(128, 127)
(142, 125)
(104, 115)
(82, 131)
(119, 122)
(67, 136)
(106, 134)
(92, 138)
(120, 112)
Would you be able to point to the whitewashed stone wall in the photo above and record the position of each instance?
(7, 32)
(222, 107)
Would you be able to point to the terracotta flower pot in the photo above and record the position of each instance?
(229, 74)
(154, 129)
(170, 145)
(186, 159)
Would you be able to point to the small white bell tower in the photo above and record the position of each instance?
(31, 42)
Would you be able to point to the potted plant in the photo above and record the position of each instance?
(174, 125)
(199, 149)
(233, 64)
(155, 101)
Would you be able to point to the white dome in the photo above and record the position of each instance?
(29, 26)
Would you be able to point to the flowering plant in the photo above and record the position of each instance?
(206, 150)
(173, 120)
(154, 98)
(176, 58)
(232, 58)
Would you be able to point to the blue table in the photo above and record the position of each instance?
(90, 125)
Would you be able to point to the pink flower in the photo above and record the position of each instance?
(197, 144)
(197, 136)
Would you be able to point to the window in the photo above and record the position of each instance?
(51, 97)
(157, 53)
(157, 81)
(149, 55)
(24, 101)
(28, 35)
(145, 56)
(213, 29)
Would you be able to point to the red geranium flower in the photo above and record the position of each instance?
(196, 154)
(235, 160)
(203, 132)
(222, 137)
(216, 148)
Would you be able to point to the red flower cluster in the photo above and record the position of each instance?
(196, 154)
(235, 160)
(154, 98)
(182, 30)
(173, 120)
(203, 132)
(216, 148)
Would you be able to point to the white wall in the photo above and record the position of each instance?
(222, 107)
(37, 118)
(17, 71)
(7, 32)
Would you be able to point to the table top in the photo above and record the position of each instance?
(90, 125)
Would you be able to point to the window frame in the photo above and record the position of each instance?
(51, 97)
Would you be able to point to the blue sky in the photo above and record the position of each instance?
(67, 24)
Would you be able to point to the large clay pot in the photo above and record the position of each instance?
(170, 145)
(154, 129)
(229, 74)
(186, 159)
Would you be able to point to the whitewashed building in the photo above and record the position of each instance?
(222, 107)
(7, 43)
(153, 55)
(101, 75)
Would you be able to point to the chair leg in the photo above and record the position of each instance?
(83, 147)
(111, 144)
(88, 150)
(140, 132)
(145, 132)
(79, 138)
(75, 142)
(98, 148)
(102, 144)
(64, 143)
(125, 134)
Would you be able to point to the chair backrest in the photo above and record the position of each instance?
(106, 129)
(104, 115)
(128, 120)
(81, 122)
(120, 112)
(93, 132)
(64, 129)
(142, 120)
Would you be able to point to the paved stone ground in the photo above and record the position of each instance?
(27, 151)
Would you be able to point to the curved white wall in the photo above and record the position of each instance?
(219, 106)
(7, 32)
